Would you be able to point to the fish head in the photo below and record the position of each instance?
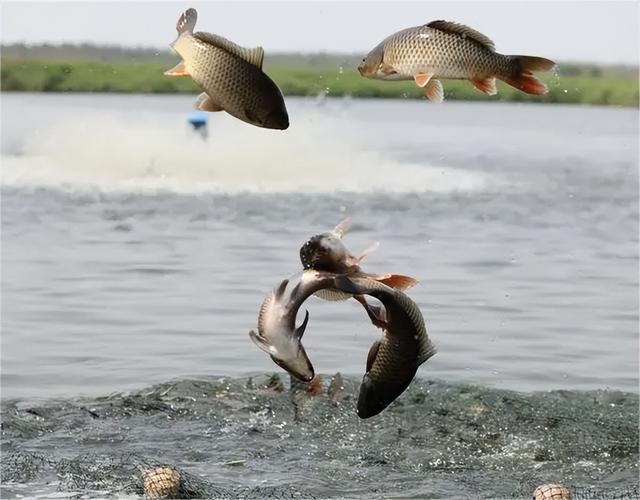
(271, 112)
(298, 364)
(372, 398)
(286, 350)
(325, 252)
(376, 393)
(370, 65)
(277, 119)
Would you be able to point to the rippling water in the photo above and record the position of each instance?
(134, 253)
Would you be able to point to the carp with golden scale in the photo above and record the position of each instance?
(447, 50)
(231, 76)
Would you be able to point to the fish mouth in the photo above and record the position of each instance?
(305, 374)
(305, 377)
(277, 120)
(375, 396)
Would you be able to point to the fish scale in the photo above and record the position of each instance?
(447, 50)
(425, 49)
(227, 79)
(230, 76)
(394, 360)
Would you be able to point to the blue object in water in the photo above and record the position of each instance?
(197, 119)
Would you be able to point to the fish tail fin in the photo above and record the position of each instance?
(398, 281)
(187, 21)
(520, 75)
(335, 391)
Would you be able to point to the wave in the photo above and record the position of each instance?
(318, 155)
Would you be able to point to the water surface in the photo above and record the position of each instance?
(134, 254)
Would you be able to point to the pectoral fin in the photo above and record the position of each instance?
(376, 314)
(262, 343)
(300, 330)
(178, 70)
(342, 228)
(434, 91)
(373, 353)
(205, 103)
(387, 69)
(367, 251)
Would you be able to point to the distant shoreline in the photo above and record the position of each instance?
(34, 75)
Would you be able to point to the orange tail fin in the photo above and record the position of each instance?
(397, 281)
(522, 78)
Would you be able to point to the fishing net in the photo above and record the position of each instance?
(265, 437)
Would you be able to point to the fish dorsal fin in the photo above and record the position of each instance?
(373, 352)
(263, 312)
(462, 30)
(252, 56)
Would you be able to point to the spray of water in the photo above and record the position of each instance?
(316, 156)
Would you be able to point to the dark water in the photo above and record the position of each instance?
(134, 254)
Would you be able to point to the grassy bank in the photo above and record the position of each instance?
(27, 74)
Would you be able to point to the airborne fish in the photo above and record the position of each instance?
(231, 76)
(327, 252)
(448, 50)
(277, 333)
(393, 361)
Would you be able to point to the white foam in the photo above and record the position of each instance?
(313, 156)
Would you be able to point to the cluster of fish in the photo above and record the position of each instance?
(331, 272)
(232, 79)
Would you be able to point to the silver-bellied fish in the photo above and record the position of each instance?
(448, 50)
(277, 333)
(393, 361)
(326, 252)
(231, 76)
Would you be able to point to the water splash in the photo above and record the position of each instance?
(317, 155)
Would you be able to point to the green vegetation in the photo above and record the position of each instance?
(332, 75)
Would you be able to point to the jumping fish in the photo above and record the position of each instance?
(393, 361)
(231, 76)
(327, 252)
(448, 50)
(277, 333)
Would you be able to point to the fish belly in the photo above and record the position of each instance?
(231, 83)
